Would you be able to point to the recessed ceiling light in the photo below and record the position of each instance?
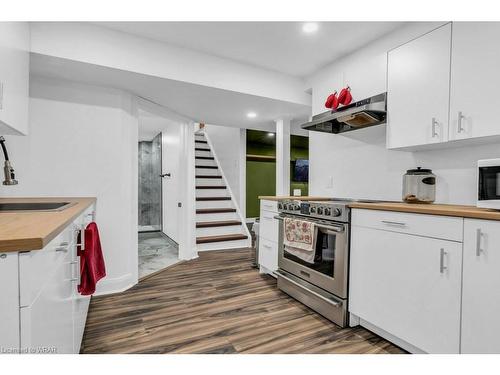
(310, 27)
(251, 115)
(270, 134)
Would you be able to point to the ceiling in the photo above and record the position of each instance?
(279, 46)
(199, 103)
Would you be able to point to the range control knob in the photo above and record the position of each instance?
(313, 210)
(280, 205)
(336, 212)
(296, 207)
(320, 210)
(328, 211)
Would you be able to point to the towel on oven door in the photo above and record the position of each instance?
(299, 238)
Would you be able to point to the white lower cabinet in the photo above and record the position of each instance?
(268, 236)
(408, 286)
(481, 286)
(41, 310)
(47, 324)
(9, 303)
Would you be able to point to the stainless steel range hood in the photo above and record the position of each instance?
(361, 114)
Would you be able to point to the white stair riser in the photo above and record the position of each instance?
(209, 182)
(205, 162)
(223, 245)
(212, 193)
(202, 153)
(217, 216)
(208, 172)
(217, 231)
(214, 204)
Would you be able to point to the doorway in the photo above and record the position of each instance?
(157, 247)
(150, 185)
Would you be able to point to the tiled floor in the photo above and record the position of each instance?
(156, 251)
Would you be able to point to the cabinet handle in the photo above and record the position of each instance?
(460, 118)
(442, 267)
(81, 231)
(3, 256)
(62, 248)
(434, 126)
(394, 223)
(267, 246)
(64, 243)
(479, 234)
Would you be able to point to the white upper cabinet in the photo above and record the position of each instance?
(418, 83)
(475, 79)
(14, 77)
(481, 282)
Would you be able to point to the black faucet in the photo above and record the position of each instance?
(10, 177)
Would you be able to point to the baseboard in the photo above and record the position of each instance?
(389, 337)
(115, 285)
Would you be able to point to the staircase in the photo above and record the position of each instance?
(219, 223)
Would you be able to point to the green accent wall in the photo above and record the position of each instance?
(261, 175)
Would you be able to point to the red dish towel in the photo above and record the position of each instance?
(92, 268)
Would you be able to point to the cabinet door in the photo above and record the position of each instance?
(481, 285)
(474, 99)
(14, 77)
(9, 302)
(47, 324)
(409, 286)
(418, 90)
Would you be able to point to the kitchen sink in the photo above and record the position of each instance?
(35, 206)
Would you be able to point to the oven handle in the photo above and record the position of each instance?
(329, 300)
(328, 228)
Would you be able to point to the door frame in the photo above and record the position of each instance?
(187, 217)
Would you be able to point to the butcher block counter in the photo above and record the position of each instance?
(432, 209)
(32, 230)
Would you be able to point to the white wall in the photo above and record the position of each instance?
(83, 142)
(358, 165)
(229, 145)
(89, 43)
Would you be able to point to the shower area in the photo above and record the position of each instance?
(150, 185)
(156, 250)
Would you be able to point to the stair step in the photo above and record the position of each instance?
(201, 149)
(223, 223)
(214, 210)
(213, 198)
(210, 187)
(204, 157)
(205, 176)
(226, 237)
(198, 141)
(207, 167)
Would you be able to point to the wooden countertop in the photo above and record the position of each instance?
(301, 198)
(32, 230)
(432, 209)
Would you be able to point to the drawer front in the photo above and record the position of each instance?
(36, 267)
(443, 227)
(269, 205)
(268, 254)
(269, 226)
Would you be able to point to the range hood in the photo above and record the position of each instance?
(367, 112)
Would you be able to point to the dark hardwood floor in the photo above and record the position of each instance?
(217, 303)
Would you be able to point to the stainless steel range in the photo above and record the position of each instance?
(321, 281)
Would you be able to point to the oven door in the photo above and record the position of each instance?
(329, 267)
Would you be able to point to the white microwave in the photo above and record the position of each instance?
(488, 183)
